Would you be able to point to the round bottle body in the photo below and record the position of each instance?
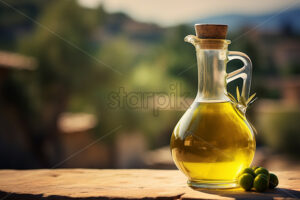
(212, 143)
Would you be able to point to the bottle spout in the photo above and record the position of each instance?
(191, 39)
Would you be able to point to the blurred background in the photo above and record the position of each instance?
(81, 82)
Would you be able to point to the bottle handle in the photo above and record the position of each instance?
(245, 72)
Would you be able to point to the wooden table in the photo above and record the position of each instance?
(125, 184)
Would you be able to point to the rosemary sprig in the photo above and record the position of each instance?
(240, 101)
(242, 104)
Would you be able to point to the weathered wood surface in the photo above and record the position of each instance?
(125, 184)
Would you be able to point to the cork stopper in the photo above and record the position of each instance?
(211, 31)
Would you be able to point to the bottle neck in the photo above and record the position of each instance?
(211, 74)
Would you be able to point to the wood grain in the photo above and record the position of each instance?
(125, 184)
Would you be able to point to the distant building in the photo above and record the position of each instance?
(81, 148)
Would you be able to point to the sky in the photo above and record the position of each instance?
(172, 12)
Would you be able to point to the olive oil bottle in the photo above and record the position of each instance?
(213, 141)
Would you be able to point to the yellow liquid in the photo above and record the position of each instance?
(212, 142)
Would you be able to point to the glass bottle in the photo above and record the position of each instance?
(213, 142)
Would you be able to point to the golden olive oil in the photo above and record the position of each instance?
(212, 142)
